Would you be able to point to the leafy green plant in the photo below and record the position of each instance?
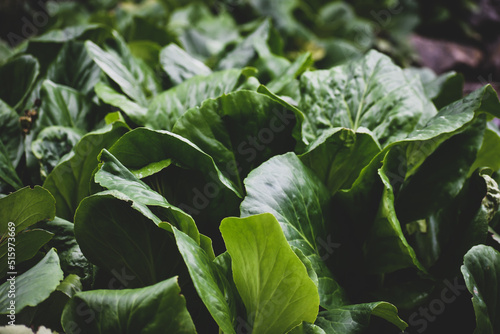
(193, 180)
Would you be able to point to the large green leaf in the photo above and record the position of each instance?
(451, 120)
(179, 65)
(481, 271)
(18, 77)
(240, 131)
(113, 66)
(369, 230)
(70, 181)
(211, 285)
(441, 176)
(272, 281)
(371, 92)
(33, 286)
(300, 202)
(74, 68)
(65, 106)
(133, 76)
(19, 211)
(168, 106)
(145, 152)
(387, 248)
(24, 208)
(355, 319)
(114, 176)
(136, 112)
(158, 308)
(115, 235)
(182, 173)
(338, 156)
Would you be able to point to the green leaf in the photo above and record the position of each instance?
(335, 51)
(459, 225)
(72, 259)
(161, 309)
(51, 144)
(111, 64)
(271, 280)
(371, 92)
(182, 173)
(49, 312)
(306, 328)
(301, 135)
(24, 208)
(147, 51)
(179, 65)
(69, 33)
(282, 14)
(5, 52)
(19, 211)
(201, 33)
(247, 49)
(481, 270)
(450, 120)
(70, 181)
(300, 65)
(168, 106)
(114, 176)
(74, 68)
(387, 248)
(354, 224)
(443, 89)
(338, 156)
(491, 143)
(70, 285)
(110, 96)
(33, 286)
(240, 131)
(339, 19)
(8, 173)
(115, 235)
(441, 175)
(211, 285)
(27, 244)
(355, 319)
(11, 133)
(300, 202)
(18, 77)
(64, 106)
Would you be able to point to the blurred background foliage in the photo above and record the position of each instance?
(333, 30)
(444, 35)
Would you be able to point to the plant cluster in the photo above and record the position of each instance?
(202, 178)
